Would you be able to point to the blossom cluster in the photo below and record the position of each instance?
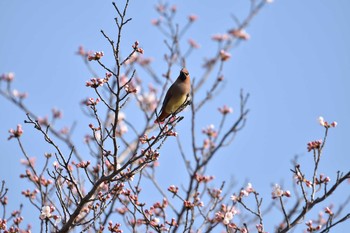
(7, 77)
(148, 100)
(314, 145)
(244, 192)
(16, 133)
(210, 131)
(224, 55)
(321, 179)
(201, 178)
(90, 101)
(97, 82)
(226, 214)
(144, 139)
(136, 47)
(224, 110)
(46, 214)
(114, 228)
(96, 56)
(36, 179)
(311, 228)
(20, 95)
(278, 192)
(326, 124)
(240, 34)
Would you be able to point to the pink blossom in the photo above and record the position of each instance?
(130, 87)
(240, 34)
(155, 22)
(173, 8)
(173, 189)
(314, 145)
(17, 220)
(4, 200)
(64, 130)
(45, 212)
(207, 143)
(277, 191)
(161, 8)
(29, 194)
(225, 110)
(171, 133)
(321, 121)
(327, 179)
(308, 183)
(322, 179)
(3, 223)
(16, 133)
(114, 228)
(326, 124)
(96, 82)
(311, 228)
(234, 198)
(227, 218)
(143, 139)
(260, 228)
(287, 193)
(45, 182)
(243, 192)
(8, 77)
(148, 101)
(91, 101)
(192, 18)
(220, 37)
(56, 113)
(96, 56)
(140, 50)
(56, 165)
(193, 43)
(215, 193)
(20, 95)
(172, 223)
(224, 55)
(188, 204)
(210, 132)
(136, 48)
(249, 188)
(121, 129)
(30, 162)
(202, 178)
(155, 222)
(83, 164)
(328, 211)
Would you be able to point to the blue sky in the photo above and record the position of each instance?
(296, 67)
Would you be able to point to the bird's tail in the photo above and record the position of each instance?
(161, 118)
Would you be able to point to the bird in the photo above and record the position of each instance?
(177, 94)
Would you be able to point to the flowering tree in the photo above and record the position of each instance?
(104, 190)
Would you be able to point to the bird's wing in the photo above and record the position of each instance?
(168, 96)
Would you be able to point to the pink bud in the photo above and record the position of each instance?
(192, 18)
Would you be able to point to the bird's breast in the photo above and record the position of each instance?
(175, 102)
